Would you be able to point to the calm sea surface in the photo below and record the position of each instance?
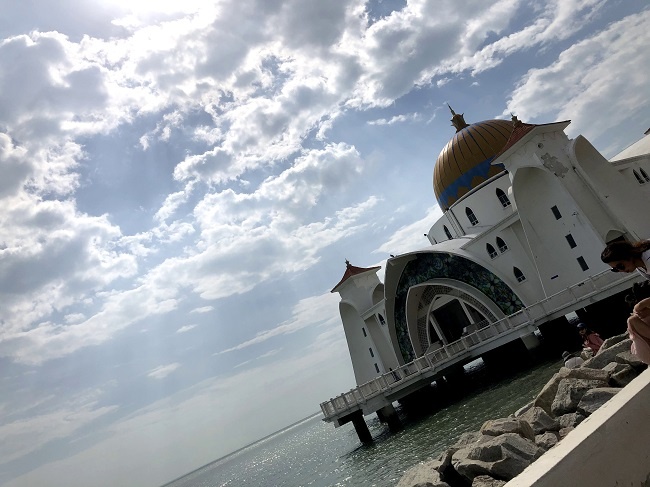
(314, 453)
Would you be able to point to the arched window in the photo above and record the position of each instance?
(639, 179)
(518, 274)
(490, 250)
(503, 198)
(502, 245)
(645, 175)
(447, 232)
(470, 215)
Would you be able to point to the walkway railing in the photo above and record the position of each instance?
(427, 363)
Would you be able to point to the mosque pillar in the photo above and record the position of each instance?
(361, 427)
(388, 415)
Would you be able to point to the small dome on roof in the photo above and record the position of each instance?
(466, 160)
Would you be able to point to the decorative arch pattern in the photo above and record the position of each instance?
(447, 266)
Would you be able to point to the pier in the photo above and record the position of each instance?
(378, 395)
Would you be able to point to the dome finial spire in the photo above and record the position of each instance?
(457, 120)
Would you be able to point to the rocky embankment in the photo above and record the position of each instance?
(504, 447)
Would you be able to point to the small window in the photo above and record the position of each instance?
(377, 368)
(518, 274)
(583, 263)
(372, 354)
(639, 179)
(364, 331)
(503, 198)
(381, 319)
(491, 251)
(502, 245)
(447, 232)
(572, 242)
(645, 175)
(470, 215)
(556, 213)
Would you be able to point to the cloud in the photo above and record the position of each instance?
(203, 309)
(313, 311)
(185, 328)
(409, 237)
(163, 371)
(585, 82)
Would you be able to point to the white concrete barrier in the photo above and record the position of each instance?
(611, 448)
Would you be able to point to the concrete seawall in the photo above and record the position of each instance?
(611, 448)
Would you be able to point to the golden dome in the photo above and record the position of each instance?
(465, 162)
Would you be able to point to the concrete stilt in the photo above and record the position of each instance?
(388, 415)
(361, 427)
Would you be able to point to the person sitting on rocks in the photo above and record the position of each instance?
(590, 339)
(571, 361)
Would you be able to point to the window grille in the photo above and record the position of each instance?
(471, 217)
(503, 198)
(491, 251)
(502, 245)
(518, 274)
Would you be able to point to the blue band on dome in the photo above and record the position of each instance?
(465, 181)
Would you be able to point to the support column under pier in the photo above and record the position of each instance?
(388, 415)
(361, 427)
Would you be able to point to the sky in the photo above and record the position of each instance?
(183, 181)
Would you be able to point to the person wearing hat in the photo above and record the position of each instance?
(590, 339)
(571, 361)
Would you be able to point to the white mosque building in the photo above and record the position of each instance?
(526, 214)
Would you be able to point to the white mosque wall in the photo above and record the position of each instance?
(381, 340)
(366, 360)
(359, 290)
(621, 199)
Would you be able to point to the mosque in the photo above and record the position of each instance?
(526, 214)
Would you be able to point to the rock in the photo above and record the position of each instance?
(569, 393)
(565, 431)
(628, 358)
(422, 475)
(595, 398)
(547, 440)
(571, 420)
(603, 357)
(502, 457)
(623, 375)
(523, 409)
(467, 438)
(608, 343)
(487, 481)
(547, 395)
(540, 421)
(496, 427)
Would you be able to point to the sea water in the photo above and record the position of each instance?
(314, 453)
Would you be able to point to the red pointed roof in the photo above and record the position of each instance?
(351, 270)
(520, 129)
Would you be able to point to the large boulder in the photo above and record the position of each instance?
(632, 360)
(539, 420)
(547, 440)
(502, 457)
(569, 393)
(496, 427)
(603, 357)
(595, 398)
(611, 341)
(570, 420)
(423, 474)
(487, 481)
(547, 395)
(622, 374)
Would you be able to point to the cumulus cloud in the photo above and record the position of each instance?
(585, 83)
